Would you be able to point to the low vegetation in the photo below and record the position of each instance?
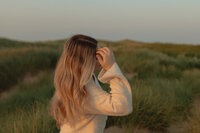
(165, 80)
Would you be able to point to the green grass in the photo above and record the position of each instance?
(7, 43)
(164, 86)
(192, 125)
(13, 68)
(25, 111)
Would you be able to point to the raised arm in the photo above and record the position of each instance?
(116, 103)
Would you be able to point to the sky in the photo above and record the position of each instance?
(168, 21)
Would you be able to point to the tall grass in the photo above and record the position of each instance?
(12, 69)
(192, 123)
(174, 50)
(7, 43)
(148, 63)
(163, 88)
(32, 120)
(157, 103)
(25, 111)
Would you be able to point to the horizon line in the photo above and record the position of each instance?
(101, 39)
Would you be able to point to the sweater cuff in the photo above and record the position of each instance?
(114, 71)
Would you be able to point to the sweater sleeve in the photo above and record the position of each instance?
(116, 103)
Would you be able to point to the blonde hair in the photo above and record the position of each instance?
(73, 71)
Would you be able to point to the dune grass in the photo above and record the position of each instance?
(13, 68)
(192, 123)
(163, 89)
(25, 110)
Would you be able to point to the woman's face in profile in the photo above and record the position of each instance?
(98, 65)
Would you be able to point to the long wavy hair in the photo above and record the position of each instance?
(73, 71)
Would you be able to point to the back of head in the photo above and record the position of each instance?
(73, 71)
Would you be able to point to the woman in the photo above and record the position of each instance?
(79, 104)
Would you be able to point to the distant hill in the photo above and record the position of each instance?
(61, 41)
(169, 48)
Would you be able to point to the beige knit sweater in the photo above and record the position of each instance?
(101, 104)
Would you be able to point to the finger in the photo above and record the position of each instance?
(102, 53)
(99, 58)
(102, 57)
(107, 49)
(101, 49)
(104, 50)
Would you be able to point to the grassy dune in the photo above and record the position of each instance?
(165, 79)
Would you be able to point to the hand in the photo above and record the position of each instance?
(106, 57)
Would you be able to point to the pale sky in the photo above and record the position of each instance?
(176, 21)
